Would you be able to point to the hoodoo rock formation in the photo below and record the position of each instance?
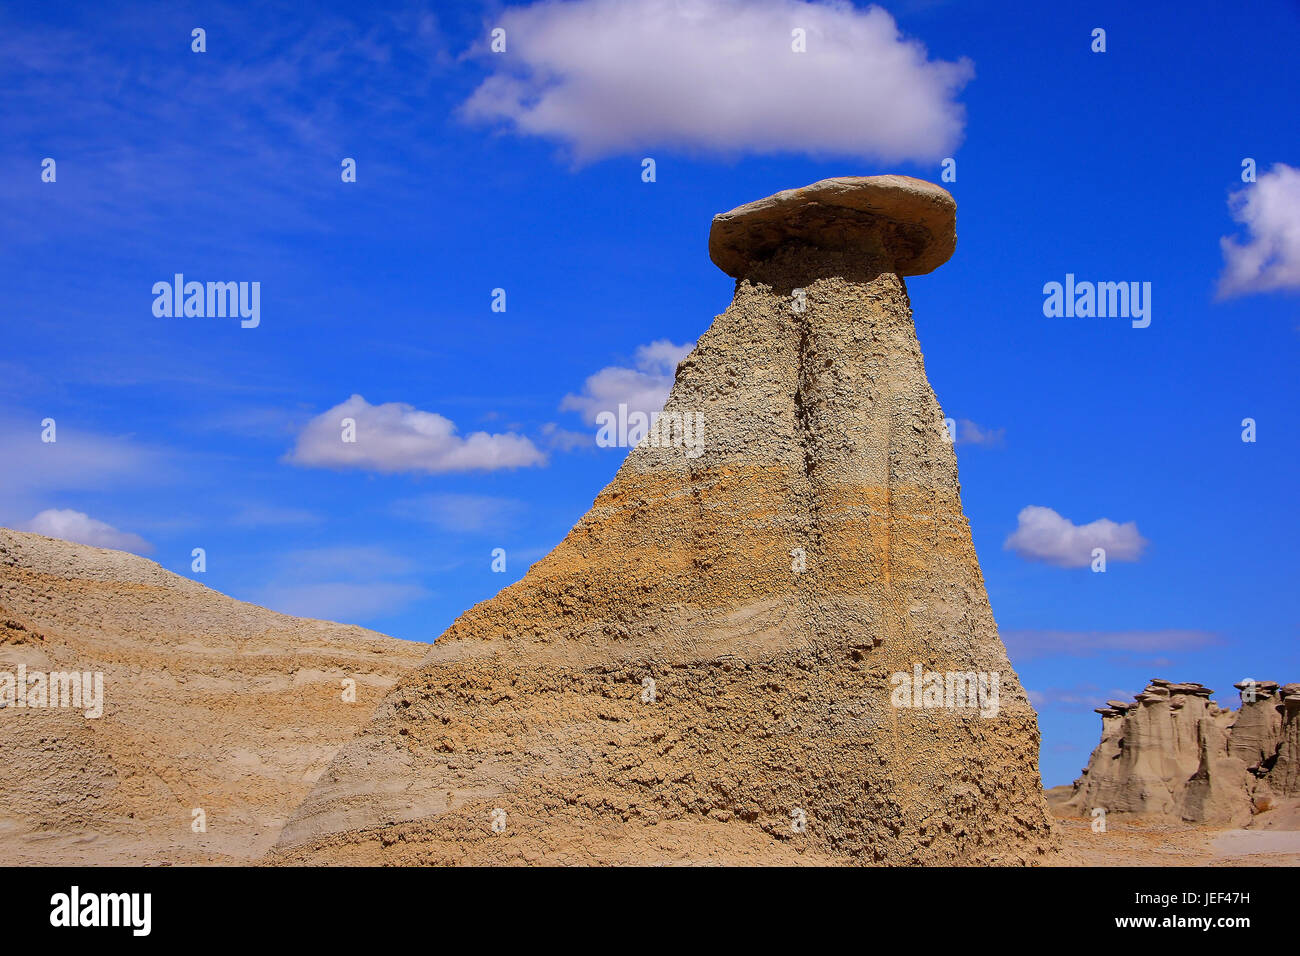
(208, 704)
(706, 659)
(1175, 753)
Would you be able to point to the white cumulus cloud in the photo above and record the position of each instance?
(396, 437)
(612, 77)
(1043, 535)
(80, 527)
(642, 389)
(1269, 259)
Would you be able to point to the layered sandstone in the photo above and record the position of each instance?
(705, 660)
(209, 704)
(1174, 753)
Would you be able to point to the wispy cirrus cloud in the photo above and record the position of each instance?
(1034, 643)
(460, 512)
(1068, 698)
(1075, 698)
(565, 439)
(608, 77)
(972, 433)
(113, 85)
(77, 460)
(345, 601)
(341, 583)
(267, 516)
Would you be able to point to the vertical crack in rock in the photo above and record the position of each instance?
(774, 687)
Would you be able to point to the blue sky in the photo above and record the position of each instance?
(225, 165)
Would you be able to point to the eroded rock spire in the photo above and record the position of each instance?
(782, 644)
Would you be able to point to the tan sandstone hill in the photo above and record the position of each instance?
(208, 703)
(706, 661)
(1174, 753)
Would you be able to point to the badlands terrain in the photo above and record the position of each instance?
(705, 670)
(1178, 779)
(209, 704)
(708, 655)
(217, 704)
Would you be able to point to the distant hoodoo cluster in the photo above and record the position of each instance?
(1173, 752)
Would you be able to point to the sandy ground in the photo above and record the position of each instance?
(1273, 839)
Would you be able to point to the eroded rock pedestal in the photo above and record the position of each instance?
(1175, 753)
(666, 684)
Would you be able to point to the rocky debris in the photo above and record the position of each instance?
(710, 652)
(13, 631)
(208, 704)
(1175, 753)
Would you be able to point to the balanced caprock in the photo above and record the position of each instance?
(702, 668)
